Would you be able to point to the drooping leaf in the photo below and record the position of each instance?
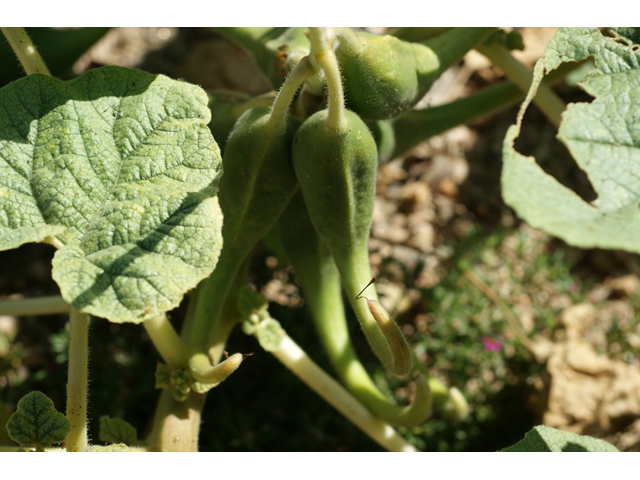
(120, 166)
(116, 430)
(37, 423)
(604, 138)
(547, 439)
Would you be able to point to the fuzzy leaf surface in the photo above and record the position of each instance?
(37, 423)
(604, 138)
(120, 166)
(547, 439)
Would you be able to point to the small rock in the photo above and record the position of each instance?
(448, 187)
(599, 293)
(407, 256)
(415, 194)
(577, 319)
(423, 237)
(626, 286)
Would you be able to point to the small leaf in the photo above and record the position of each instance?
(37, 423)
(116, 430)
(547, 439)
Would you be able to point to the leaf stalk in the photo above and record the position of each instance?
(296, 360)
(546, 100)
(25, 50)
(77, 382)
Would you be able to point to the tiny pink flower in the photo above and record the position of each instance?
(491, 344)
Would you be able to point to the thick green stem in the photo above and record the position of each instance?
(25, 50)
(34, 306)
(322, 52)
(210, 301)
(546, 100)
(77, 382)
(176, 425)
(167, 341)
(296, 360)
(277, 120)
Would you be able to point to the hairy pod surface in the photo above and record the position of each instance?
(337, 174)
(258, 180)
(257, 184)
(389, 77)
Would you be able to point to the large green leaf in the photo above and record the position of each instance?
(547, 439)
(604, 138)
(120, 166)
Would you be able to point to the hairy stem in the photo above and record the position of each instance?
(277, 122)
(350, 44)
(176, 425)
(167, 341)
(25, 50)
(296, 360)
(34, 306)
(546, 100)
(77, 382)
(323, 54)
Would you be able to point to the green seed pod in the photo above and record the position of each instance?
(391, 75)
(337, 173)
(258, 180)
(256, 186)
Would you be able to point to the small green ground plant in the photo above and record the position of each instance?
(151, 190)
